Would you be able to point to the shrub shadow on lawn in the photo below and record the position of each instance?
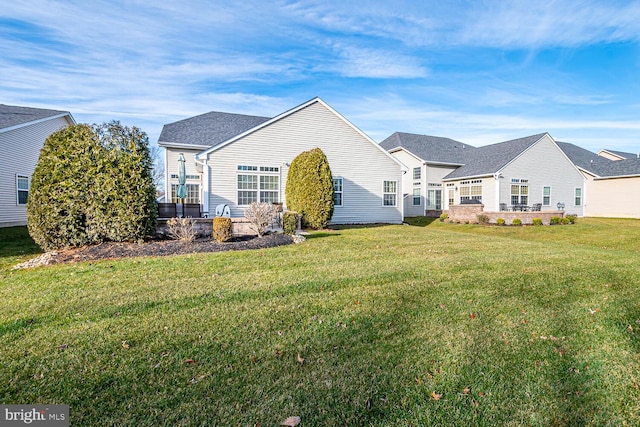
(15, 241)
(420, 221)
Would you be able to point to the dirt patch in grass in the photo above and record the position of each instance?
(114, 250)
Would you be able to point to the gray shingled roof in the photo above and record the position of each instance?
(623, 154)
(627, 167)
(429, 148)
(491, 158)
(599, 165)
(208, 129)
(11, 115)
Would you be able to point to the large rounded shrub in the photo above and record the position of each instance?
(91, 185)
(309, 188)
(60, 188)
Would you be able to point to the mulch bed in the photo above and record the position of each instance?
(113, 250)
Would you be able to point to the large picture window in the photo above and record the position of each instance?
(193, 193)
(434, 200)
(22, 187)
(519, 191)
(389, 193)
(337, 192)
(471, 190)
(258, 184)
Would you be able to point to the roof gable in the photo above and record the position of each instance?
(12, 117)
(490, 159)
(207, 130)
(621, 155)
(430, 149)
(205, 153)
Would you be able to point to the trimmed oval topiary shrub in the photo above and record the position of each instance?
(500, 221)
(536, 221)
(516, 221)
(222, 229)
(309, 188)
(290, 222)
(443, 217)
(555, 220)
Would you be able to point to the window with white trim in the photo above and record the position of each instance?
(546, 196)
(417, 173)
(519, 191)
(417, 200)
(471, 190)
(389, 193)
(434, 199)
(578, 197)
(258, 184)
(193, 193)
(337, 192)
(22, 189)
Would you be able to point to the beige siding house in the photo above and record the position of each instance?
(23, 131)
(251, 161)
(612, 181)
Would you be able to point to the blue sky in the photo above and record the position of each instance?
(476, 71)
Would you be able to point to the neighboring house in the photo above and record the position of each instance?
(23, 131)
(236, 159)
(429, 159)
(524, 171)
(612, 181)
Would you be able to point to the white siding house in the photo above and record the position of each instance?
(23, 131)
(525, 171)
(252, 165)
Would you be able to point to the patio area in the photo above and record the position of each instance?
(469, 213)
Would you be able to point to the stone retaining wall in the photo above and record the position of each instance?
(204, 227)
(469, 213)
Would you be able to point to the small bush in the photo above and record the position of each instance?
(565, 221)
(261, 216)
(183, 229)
(290, 222)
(555, 220)
(516, 221)
(572, 218)
(536, 221)
(483, 219)
(500, 221)
(444, 217)
(222, 229)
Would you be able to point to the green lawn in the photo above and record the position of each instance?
(429, 324)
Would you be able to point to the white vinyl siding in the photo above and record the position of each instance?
(544, 165)
(19, 152)
(360, 164)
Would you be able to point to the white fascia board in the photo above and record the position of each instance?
(33, 122)
(165, 144)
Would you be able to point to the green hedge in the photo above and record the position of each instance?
(290, 222)
(92, 184)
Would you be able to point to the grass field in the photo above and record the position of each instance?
(428, 324)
